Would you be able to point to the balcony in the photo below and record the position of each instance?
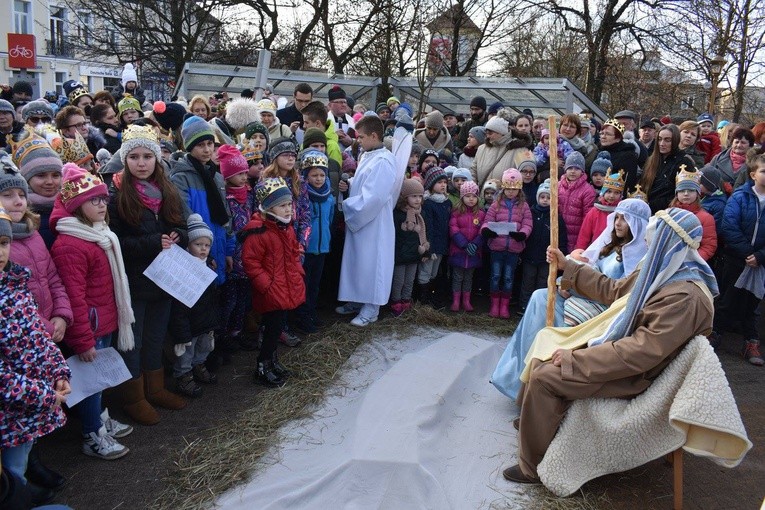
(60, 48)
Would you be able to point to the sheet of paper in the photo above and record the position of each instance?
(106, 371)
(180, 274)
(502, 227)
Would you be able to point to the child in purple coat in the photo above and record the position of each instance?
(465, 248)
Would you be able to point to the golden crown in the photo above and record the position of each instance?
(512, 184)
(27, 142)
(250, 154)
(73, 150)
(267, 186)
(615, 124)
(4, 215)
(314, 160)
(638, 193)
(134, 132)
(78, 93)
(615, 181)
(687, 175)
(71, 189)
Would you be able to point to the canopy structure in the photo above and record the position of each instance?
(544, 96)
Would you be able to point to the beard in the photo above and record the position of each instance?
(476, 116)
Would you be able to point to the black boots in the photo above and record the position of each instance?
(271, 373)
(40, 475)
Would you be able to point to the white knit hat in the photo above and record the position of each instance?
(128, 75)
(498, 125)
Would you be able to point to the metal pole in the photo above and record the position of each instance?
(261, 77)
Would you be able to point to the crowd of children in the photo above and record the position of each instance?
(281, 223)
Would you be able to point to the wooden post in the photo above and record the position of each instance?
(553, 274)
(677, 478)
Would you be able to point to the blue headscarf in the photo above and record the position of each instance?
(672, 256)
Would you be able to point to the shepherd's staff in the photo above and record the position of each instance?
(553, 274)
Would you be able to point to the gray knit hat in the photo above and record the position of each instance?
(196, 228)
(280, 146)
(575, 160)
(479, 133)
(602, 164)
(5, 106)
(10, 176)
(38, 108)
(6, 229)
(139, 136)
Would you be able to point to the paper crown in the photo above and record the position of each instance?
(615, 124)
(71, 189)
(249, 153)
(268, 186)
(135, 132)
(638, 193)
(78, 93)
(4, 215)
(313, 159)
(72, 150)
(685, 175)
(615, 181)
(26, 142)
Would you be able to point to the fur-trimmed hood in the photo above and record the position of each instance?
(512, 140)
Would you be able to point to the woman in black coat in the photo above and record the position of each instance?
(662, 167)
(623, 154)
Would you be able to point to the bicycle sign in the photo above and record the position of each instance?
(21, 51)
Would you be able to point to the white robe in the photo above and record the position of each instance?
(368, 254)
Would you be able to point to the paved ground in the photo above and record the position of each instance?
(135, 481)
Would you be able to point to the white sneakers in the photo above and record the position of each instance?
(361, 321)
(102, 445)
(113, 427)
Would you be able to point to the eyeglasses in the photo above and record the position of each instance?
(528, 172)
(37, 120)
(79, 125)
(100, 200)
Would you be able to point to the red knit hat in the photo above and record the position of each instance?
(231, 161)
(79, 186)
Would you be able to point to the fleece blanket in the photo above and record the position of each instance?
(689, 405)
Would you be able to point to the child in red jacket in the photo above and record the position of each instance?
(688, 197)
(709, 141)
(271, 259)
(596, 219)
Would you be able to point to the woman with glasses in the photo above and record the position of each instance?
(623, 155)
(571, 129)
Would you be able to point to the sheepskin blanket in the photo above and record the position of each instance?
(689, 405)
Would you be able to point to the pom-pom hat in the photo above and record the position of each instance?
(169, 115)
(602, 164)
(498, 125)
(79, 186)
(196, 228)
(468, 188)
(128, 75)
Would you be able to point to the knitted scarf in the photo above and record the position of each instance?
(736, 161)
(601, 205)
(21, 230)
(319, 194)
(672, 256)
(149, 194)
(107, 240)
(238, 193)
(470, 151)
(415, 223)
(215, 204)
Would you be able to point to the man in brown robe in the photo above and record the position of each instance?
(664, 322)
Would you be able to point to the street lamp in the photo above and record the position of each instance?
(715, 68)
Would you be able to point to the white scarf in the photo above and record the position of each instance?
(100, 234)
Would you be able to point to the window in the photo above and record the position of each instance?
(60, 79)
(687, 103)
(84, 22)
(57, 17)
(22, 16)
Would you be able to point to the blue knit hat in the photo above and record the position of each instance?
(602, 164)
(271, 192)
(462, 173)
(194, 131)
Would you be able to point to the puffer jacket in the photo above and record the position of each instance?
(492, 159)
(141, 244)
(714, 204)
(709, 145)
(623, 157)
(742, 216)
(594, 223)
(194, 198)
(322, 216)
(44, 283)
(465, 228)
(186, 323)
(504, 210)
(240, 216)
(84, 269)
(575, 199)
(708, 245)
(442, 141)
(537, 243)
(662, 190)
(437, 216)
(30, 365)
(271, 259)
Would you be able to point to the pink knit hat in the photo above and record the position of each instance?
(511, 179)
(231, 161)
(468, 188)
(79, 186)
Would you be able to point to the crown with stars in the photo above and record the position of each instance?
(638, 193)
(78, 93)
(615, 181)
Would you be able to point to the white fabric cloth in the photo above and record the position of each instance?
(689, 405)
(101, 234)
(368, 254)
(412, 424)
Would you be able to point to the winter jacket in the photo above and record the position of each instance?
(187, 323)
(575, 199)
(504, 210)
(437, 216)
(723, 163)
(44, 283)
(30, 365)
(271, 259)
(708, 245)
(623, 157)
(696, 155)
(714, 204)
(279, 130)
(594, 223)
(492, 159)
(530, 192)
(140, 245)
(84, 269)
(465, 228)
(709, 145)
(537, 243)
(194, 198)
(112, 143)
(42, 207)
(465, 161)
(469, 124)
(118, 93)
(322, 215)
(442, 141)
(662, 190)
(741, 218)
(541, 151)
(333, 143)
(407, 241)
(240, 216)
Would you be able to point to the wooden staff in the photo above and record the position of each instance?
(553, 274)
